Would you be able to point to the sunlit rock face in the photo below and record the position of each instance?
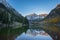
(35, 16)
(53, 19)
(58, 6)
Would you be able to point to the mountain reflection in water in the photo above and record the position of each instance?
(34, 35)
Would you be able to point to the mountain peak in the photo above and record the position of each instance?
(32, 14)
(43, 14)
(58, 6)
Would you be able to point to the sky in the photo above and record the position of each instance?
(26, 7)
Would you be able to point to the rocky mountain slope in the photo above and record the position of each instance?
(54, 16)
(12, 23)
(52, 23)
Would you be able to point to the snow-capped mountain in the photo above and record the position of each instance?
(32, 16)
(35, 16)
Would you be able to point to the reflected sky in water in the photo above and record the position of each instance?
(34, 35)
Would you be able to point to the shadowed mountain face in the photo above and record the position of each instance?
(11, 23)
(10, 15)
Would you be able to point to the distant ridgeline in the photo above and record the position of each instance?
(54, 16)
(11, 22)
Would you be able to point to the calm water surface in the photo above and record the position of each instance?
(34, 35)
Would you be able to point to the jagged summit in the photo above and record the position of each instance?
(43, 14)
(34, 14)
(58, 6)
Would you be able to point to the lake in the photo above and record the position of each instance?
(33, 34)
